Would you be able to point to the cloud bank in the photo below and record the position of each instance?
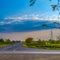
(10, 20)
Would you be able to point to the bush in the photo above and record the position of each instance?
(29, 40)
(8, 41)
(1, 40)
(50, 44)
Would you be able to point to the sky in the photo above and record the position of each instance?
(20, 9)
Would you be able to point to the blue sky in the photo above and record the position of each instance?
(17, 8)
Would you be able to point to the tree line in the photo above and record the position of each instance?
(7, 41)
(44, 44)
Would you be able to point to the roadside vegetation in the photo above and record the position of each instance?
(42, 44)
(7, 42)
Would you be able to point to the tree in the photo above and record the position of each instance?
(29, 40)
(1, 40)
(39, 42)
(8, 41)
(53, 7)
(51, 41)
(32, 2)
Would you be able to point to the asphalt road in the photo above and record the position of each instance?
(20, 49)
(29, 57)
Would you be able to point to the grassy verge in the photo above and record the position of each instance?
(41, 44)
(7, 42)
(48, 47)
(3, 45)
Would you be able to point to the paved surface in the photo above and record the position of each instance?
(20, 49)
(29, 57)
(18, 52)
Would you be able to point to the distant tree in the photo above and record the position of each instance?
(29, 40)
(39, 42)
(43, 43)
(51, 41)
(32, 2)
(1, 40)
(58, 42)
(8, 41)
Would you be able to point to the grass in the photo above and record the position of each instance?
(7, 42)
(3, 45)
(48, 47)
(40, 44)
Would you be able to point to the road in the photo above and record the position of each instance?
(20, 49)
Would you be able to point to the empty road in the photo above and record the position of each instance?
(20, 49)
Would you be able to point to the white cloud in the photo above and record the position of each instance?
(3, 22)
(24, 17)
(45, 16)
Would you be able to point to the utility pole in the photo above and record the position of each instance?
(54, 7)
(51, 35)
(57, 23)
